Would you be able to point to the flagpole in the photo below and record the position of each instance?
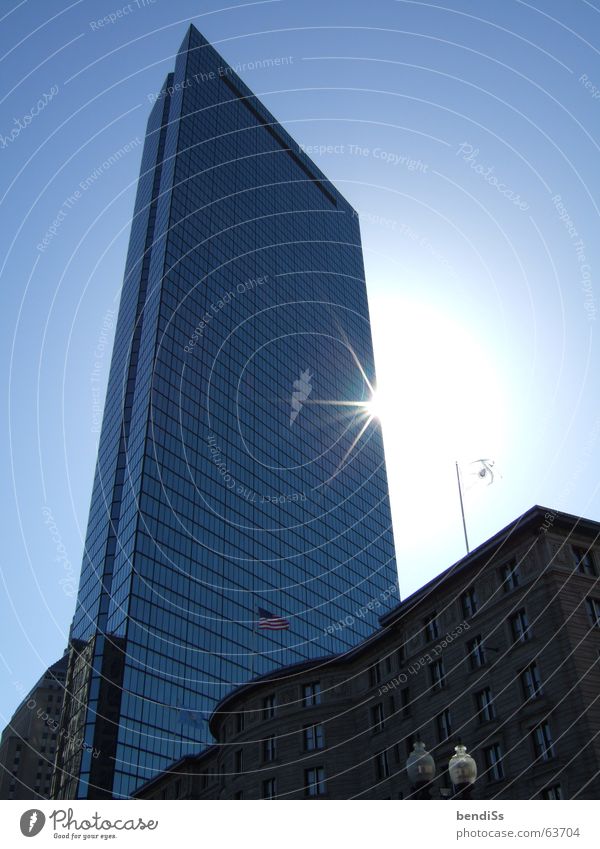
(462, 509)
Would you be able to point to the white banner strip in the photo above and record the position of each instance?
(350, 824)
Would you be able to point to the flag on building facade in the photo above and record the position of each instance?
(272, 621)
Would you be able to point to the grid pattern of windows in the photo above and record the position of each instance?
(209, 496)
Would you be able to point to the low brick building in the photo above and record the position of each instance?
(500, 651)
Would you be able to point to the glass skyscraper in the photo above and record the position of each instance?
(234, 469)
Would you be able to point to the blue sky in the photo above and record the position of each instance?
(465, 134)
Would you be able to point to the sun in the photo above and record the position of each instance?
(374, 408)
(438, 392)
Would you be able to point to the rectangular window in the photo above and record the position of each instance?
(593, 608)
(485, 705)
(444, 725)
(268, 707)
(469, 602)
(311, 694)
(476, 652)
(438, 674)
(377, 718)
(493, 762)
(531, 681)
(240, 722)
(269, 749)
(314, 781)
(314, 737)
(382, 768)
(509, 574)
(375, 674)
(542, 741)
(239, 761)
(432, 629)
(553, 792)
(519, 625)
(269, 788)
(584, 561)
(405, 702)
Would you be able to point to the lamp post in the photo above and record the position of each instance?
(420, 768)
(463, 772)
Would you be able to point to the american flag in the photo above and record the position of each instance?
(266, 619)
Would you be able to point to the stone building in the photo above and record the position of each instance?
(500, 651)
(28, 743)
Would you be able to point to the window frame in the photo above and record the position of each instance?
(377, 715)
(319, 784)
(593, 610)
(476, 649)
(270, 783)
(485, 704)
(584, 561)
(382, 765)
(444, 725)
(469, 602)
(548, 753)
(524, 635)
(269, 749)
(510, 575)
(494, 762)
(533, 688)
(438, 682)
(431, 627)
(269, 706)
(313, 735)
(311, 694)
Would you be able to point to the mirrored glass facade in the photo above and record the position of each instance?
(234, 470)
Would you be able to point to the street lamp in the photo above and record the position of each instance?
(420, 768)
(463, 772)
